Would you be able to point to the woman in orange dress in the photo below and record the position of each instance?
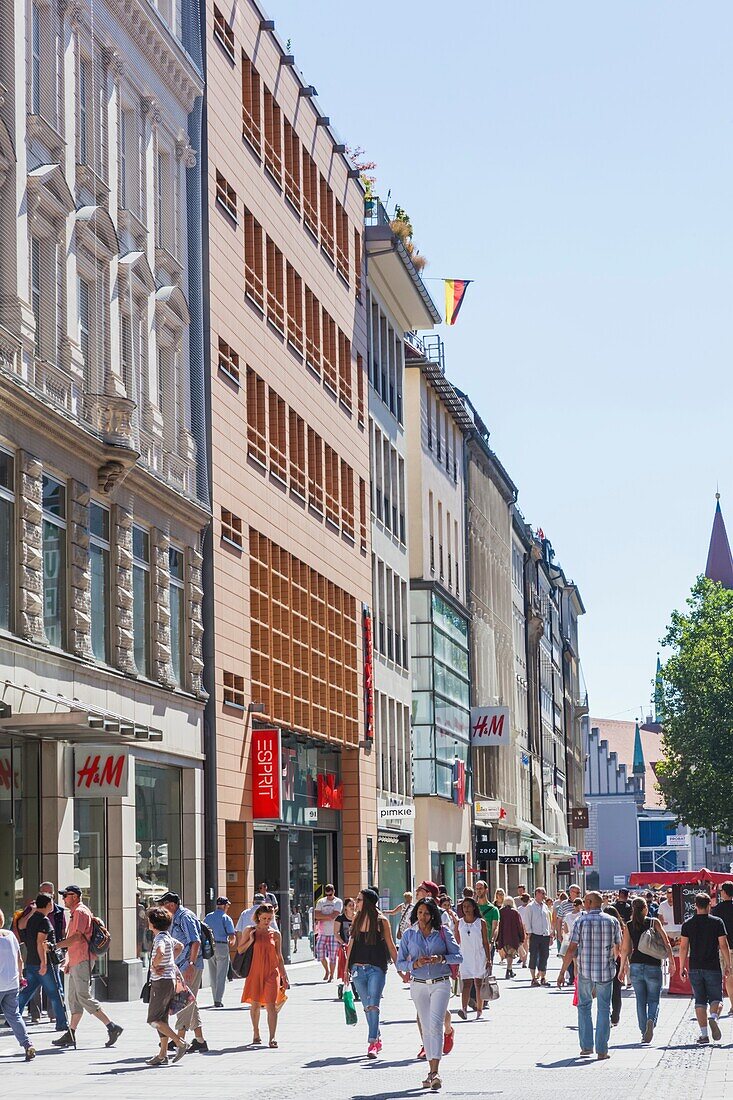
(267, 977)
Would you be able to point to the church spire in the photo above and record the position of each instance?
(720, 562)
(639, 765)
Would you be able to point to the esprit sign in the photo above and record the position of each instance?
(490, 726)
(266, 786)
(100, 771)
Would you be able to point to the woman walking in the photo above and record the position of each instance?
(342, 925)
(428, 951)
(618, 980)
(511, 934)
(646, 970)
(163, 975)
(473, 937)
(567, 930)
(368, 955)
(404, 910)
(267, 978)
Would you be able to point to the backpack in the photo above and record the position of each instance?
(100, 938)
(207, 941)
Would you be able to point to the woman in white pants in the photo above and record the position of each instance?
(427, 952)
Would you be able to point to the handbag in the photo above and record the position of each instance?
(349, 1008)
(454, 968)
(182, 996)
(242, 961)
(491, 989)
(145, 991)
(651, 942)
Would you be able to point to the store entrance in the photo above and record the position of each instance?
(20, 847)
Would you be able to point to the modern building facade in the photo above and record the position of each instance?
(397, 303)
(103, 495)
(437, 422)
(291, 557)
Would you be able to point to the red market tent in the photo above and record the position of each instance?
(676, 878)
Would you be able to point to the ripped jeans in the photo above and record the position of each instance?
(369, 982)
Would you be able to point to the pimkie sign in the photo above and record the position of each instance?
(266, 775)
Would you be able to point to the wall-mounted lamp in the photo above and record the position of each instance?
(255, 708)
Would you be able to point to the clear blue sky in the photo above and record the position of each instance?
(576, 160)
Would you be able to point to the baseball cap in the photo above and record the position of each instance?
(429, 888)
(71, 890)
(169, 896)
(223, 901)
(258, 896)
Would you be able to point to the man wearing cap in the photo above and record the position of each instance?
(79, 963)
(324, 917)
(247, 918)
(222, 927)
(185, 929)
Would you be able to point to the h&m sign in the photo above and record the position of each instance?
(490, 726)
(101, 772)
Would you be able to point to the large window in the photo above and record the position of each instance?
(99, 570)
(157, 830)
(177, 603)
(7, 541)
(54, 560)
(141, 599)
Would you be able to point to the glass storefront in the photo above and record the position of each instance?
(393, 871)
(157, 830)
(20, 870)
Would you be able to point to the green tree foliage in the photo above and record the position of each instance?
(696, 774)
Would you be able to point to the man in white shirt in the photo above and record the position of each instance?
(327, 909)
(537, 921)
(247, 917)
(666, 916)
(11, 966)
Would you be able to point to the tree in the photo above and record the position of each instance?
(696, 773)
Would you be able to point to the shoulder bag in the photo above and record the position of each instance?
(242, 961)
(454, 968)
(651, 942)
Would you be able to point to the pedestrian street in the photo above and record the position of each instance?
(527, 1045)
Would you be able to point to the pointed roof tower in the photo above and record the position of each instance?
(720, 562)
(639, 765)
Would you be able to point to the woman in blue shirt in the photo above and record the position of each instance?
(427, 952)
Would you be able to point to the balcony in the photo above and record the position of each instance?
(394, 274)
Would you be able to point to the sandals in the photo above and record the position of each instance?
(433, 1081)
(273, 1043)
(462, 1014)
(256, 1041)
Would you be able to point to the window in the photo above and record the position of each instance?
(310, 194)
(85, 328)
(54, 561)
(35, 60)
(360, 413)
(177, 607)
(326, 222)
(344, 345)
(278, 436)
(141, 599)
(7, 538)
(226, 196)
(251, 111)
(332, 486)
(85, 91)
(330, 354)
(312, 331)
(275, 286)
(429, 397)
(253, 260)
(342, 242)
(123, 159)
(162, 174)
(256, 418)
(36, 288)
(297, 454)
(99, 551)
(295, 309)
(362, 515)
(347, 499)
(234, 691)
(223, 33)
(158, 820)
(292, 166)
(273, 138)
(357, 263)
(228, 361)
(231, 529)
(315, 470)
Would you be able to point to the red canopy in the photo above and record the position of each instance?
(676, 878)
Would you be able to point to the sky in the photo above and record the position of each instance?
(575, 160)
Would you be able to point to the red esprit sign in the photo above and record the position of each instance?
(100, 771)
(585, 859)
(368, 675)
(266, 775)
(490, 726)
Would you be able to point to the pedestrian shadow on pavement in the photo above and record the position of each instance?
(390, 1095)
(566, 1063)
(323, 1063)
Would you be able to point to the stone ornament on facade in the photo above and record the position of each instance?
(80, 607)
(161, 614)
(113, 61)
(30, 557)
(195, 622)
(149, 107)
(123, 649)
(185, 152)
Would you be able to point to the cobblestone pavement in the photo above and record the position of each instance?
(528, 1045)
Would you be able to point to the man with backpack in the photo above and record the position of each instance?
(186, 928)
(83, 932)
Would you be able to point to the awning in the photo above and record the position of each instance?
(676, 878)
(528, 828)
(42, 716)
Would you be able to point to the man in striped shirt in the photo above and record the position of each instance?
(595, 941)
(561, 913)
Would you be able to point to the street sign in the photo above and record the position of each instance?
(486, 848)
(619, 880)
(311, 815)
(579, 817)
(490, 726)
(585, 859)
(508, 861)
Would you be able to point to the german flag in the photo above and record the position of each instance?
(455, 292)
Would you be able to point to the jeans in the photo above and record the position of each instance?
(218, 967)
(431, 1002)
(52, 985)
(647, 982)
(616, 995)
(9, 1009)
(707, 987)
(369, 982)
(539, 952)
(585, 1014)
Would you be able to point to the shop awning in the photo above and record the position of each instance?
(531, 830)
(39, 715)
(676, 878)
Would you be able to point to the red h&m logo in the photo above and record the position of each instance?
(101, 771)
(266, 775)
(490, 726)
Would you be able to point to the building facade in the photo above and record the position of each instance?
(291, 554)
(103, 493)
(397, 303)
(439, 619)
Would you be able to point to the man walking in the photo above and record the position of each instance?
(623, 905)
(704, 941)
(79, 962)
(327, 909)
(538, 923)
(247, 918)
(222, 927)
(561, 913)
(185, 929)
(595, 942)
(41, 964)
(724, 910)
(11, 966)
(270, 898)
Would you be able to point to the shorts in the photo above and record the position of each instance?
(78, 989)
(161, 995)
(326, 947)
(707, 987)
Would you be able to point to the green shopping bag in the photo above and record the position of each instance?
(349, 1010)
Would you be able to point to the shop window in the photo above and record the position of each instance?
(157, 833)
(141, 599)
(7, 539)
(223, 33)
(228, 361)
(233, 691)
(231, 529)
(177, 608)
(251, 110)
(226, 196)
(90, 853)
(54, 561)
(99, 556)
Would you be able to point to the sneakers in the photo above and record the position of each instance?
(448, 1040)
(30, 1053)
(218, 1004)
(183, 1049)
(715, 1029)
(372, 1051)
(703, 1041)
(113, 1031)
(199, 1046)
(68, 1039)
(603, 1057)
(648, 1032)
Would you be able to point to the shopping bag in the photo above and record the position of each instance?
(491, 989)
(349, 1009)
(281, 997)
